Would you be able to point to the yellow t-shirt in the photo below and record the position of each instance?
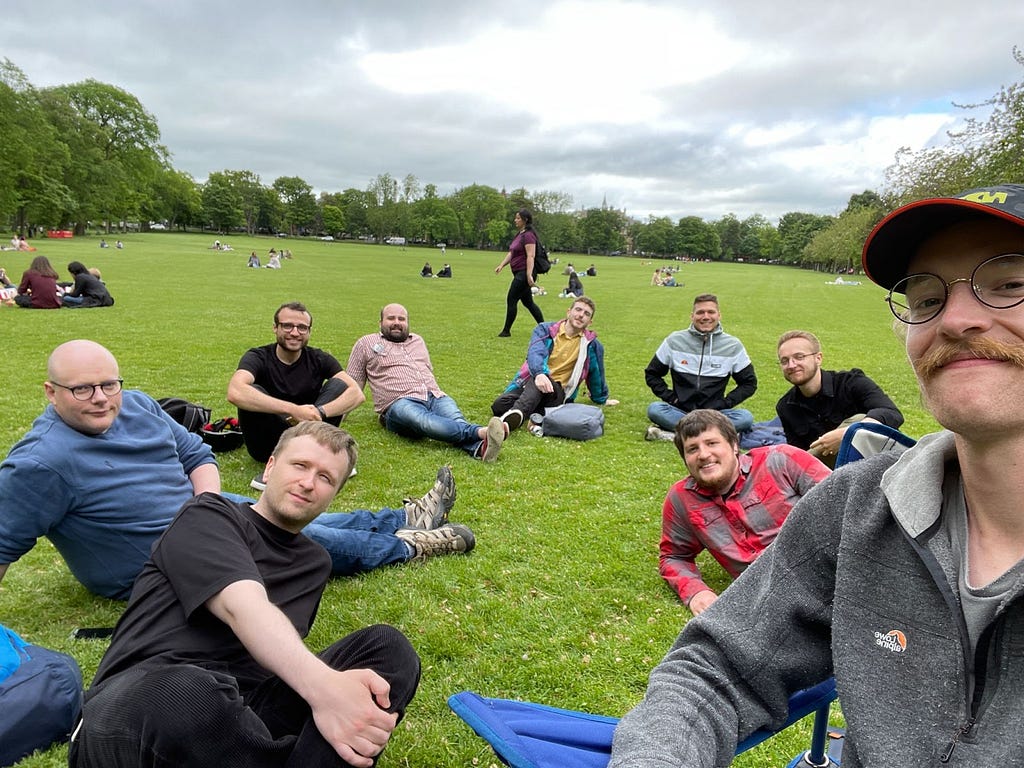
(564, 353)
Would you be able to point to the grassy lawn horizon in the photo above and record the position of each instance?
(560, 602)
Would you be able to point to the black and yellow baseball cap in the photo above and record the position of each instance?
(896, 238)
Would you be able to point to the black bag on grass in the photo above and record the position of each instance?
(223, 435)
(191, 416)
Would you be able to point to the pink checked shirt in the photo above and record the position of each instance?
(394, 369)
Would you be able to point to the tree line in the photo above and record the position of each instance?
(89, 153)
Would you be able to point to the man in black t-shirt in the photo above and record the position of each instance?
(287, 382)
(207, 666)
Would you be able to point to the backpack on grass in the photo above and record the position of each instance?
(40, 697)
(573, 421)
(191, 416)
(221, 435)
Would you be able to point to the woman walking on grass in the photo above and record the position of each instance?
(520, 259)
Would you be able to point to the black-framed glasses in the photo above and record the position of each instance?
(799, 357)
(289, 327)
(86, 391)
(997, 283)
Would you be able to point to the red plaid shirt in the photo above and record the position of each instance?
(735, 528)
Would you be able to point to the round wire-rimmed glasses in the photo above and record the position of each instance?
(997, 283)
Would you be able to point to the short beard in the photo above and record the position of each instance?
(981, 348)
(390, 334)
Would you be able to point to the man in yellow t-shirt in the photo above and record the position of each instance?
(561, 356)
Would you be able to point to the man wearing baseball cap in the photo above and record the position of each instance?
(901, 575)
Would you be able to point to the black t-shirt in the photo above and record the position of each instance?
(297, 383)
(210, 544)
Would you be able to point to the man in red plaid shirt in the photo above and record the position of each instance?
(732, 504)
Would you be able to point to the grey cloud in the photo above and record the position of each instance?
(276, 88)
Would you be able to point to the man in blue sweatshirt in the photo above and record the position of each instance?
(104, 470)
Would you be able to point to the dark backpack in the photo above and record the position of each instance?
(191, 416)
(40, 697)
(541, 262)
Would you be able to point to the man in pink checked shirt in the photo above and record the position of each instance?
(406, 396)
(732, 504)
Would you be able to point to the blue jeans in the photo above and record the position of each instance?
(438, 418)
(356, 541)
(360, 540)
(667, 416)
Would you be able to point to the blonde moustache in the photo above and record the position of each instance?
(980, 348)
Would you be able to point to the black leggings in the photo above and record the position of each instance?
(528, 399)
(518, 291)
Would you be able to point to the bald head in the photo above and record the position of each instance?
(71, 357)
(394, 323)
(83, 363)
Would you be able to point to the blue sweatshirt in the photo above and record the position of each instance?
(101, 499)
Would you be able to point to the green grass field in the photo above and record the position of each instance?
(561, 601)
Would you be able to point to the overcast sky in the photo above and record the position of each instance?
(666, 108)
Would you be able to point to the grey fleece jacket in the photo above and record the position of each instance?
(860, 584)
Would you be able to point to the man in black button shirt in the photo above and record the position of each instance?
(816, 412)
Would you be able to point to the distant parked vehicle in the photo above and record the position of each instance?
(327, 238)
(395, 241)
(157, 225)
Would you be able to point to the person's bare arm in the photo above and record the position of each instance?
(348, 706)
(348, 400)
(205, 478)
(243, 395)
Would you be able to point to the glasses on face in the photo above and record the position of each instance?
(86, 391)
(799, 357)
(289, 327)
(997, 283)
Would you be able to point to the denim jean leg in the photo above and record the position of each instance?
(741, 418)
(360, 540)
(438, 418)
(664, 415)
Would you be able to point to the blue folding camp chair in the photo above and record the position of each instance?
(528, 735)
(866, 438)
